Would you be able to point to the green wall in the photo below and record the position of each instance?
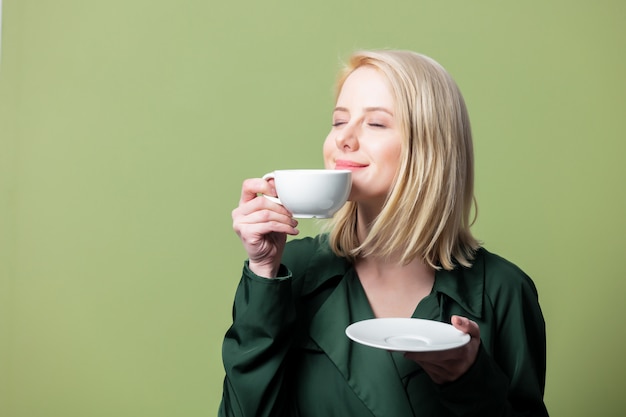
(127, 126)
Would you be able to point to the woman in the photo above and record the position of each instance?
(401, 247)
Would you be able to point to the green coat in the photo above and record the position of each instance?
(286, 353)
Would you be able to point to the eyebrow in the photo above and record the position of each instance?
(367, 110)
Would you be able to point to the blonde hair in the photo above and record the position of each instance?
(427, 211)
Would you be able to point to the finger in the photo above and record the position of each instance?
(268, 215)
(258, 203)
(252, 187)
(266, 221)
(439, 356)
(466, 326)
(437, 372)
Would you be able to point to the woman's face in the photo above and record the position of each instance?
(365, 136)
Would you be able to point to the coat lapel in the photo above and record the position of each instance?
(370, 372)
(464, 285)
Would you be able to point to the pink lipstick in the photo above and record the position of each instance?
(345, 164)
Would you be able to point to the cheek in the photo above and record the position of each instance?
(391, 155)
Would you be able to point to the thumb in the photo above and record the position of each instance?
(466, 325)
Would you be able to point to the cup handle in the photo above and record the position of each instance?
(267, 177)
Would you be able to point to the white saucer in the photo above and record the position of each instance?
(407, 335)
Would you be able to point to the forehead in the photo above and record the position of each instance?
(366, 86)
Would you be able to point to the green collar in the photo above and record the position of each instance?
(464, 285)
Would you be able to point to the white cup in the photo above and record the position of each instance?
(309, 193)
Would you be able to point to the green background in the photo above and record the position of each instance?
(127, 127)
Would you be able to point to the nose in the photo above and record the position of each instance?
(347, 138)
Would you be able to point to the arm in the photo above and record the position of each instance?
(505, 374)
(256, 346)
(508, 376)
(468, 382)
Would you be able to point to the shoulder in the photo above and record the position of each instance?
(501, 276)
(299, 252)
(311, 259)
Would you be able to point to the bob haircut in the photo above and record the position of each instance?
(427, 212)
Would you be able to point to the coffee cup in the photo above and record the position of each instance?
(311, 193)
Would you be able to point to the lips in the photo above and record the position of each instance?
(344, 164)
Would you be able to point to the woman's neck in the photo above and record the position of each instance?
(366, 215)
(394, 289)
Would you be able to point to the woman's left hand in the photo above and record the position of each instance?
(449, 365)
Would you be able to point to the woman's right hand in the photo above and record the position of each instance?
(262, 226)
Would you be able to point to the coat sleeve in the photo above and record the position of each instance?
(255, 347)
(508, 377)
